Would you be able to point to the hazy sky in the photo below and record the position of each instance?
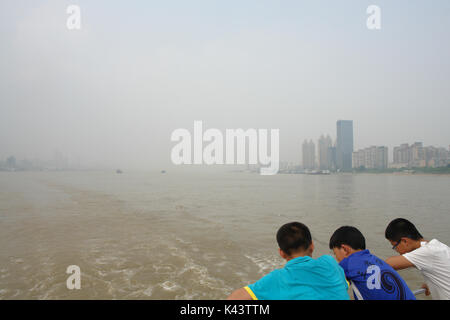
(114, 91)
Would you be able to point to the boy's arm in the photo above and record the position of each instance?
(399, 262)
(262, 286)
(240, 294)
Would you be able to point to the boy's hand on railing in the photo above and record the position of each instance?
(427, 290)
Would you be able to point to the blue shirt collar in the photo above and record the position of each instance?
(359, 253)
(353, 255)
(298, 260)
(362, 252)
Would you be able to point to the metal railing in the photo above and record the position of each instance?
(419, 291)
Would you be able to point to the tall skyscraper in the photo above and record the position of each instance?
(324, 145)
(332, 158)
(309, 155)
(344, 144)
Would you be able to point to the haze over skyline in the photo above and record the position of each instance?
(114, 91)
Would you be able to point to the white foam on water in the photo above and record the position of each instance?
(182, 241)
(52, 291)
(172, 248)
(101, 273)
(221, 264)
(203, 276)
(39, 286)
(188, 271)
(164, 268)
(264, 263)
(110, 287)
(148, 292)
(93, 278)
(16, 260)
(109, 260)
(126, 272)
(130, 272)
(244, 277)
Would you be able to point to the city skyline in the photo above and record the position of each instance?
(113, 91)
(371, 157)
(416, 155)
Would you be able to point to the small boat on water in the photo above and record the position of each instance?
(163, 171)
(118, 171)
(317, 172)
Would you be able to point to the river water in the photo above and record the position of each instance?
(190, 235)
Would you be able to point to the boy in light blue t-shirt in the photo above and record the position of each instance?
(302, 277)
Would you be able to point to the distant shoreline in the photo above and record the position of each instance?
(412, 171)
(407, 173)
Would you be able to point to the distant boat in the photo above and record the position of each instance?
(317, 172)
(163, 171)
(118, 171)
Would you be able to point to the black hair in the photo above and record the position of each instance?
(401, 228)
(293, 236)
(349, 236)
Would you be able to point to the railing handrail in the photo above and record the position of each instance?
(419, 291)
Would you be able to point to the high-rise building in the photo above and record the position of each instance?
(402, 155)
(382, 156)
(309, 155)
(371, 158)
(416, 155)
(344, 144)
(324, 145)
(332, 157)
